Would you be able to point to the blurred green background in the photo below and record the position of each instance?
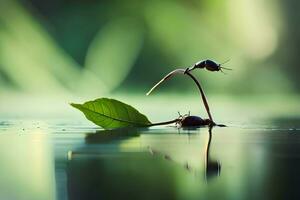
(93, 48)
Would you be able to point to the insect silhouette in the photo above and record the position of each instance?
(188, 120)
(209, 65)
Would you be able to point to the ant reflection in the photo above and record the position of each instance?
(212, 167)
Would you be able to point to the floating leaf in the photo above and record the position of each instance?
(111, 113)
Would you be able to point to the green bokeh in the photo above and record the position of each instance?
(94, 48)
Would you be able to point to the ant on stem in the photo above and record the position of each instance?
(210, 65)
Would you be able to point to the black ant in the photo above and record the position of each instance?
(189, 121)
(192, 121)
(209, 65)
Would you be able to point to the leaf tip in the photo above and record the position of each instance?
(75, 105)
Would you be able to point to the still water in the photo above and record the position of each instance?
(74, 160)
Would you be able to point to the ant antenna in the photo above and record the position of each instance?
(226, 68)
(225, 62)
(179, 114)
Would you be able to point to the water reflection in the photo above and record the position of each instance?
(26, 170)
(105, 136)
(257, 163)
(119, 164)
(106, 171)
(136, 164)
(212, 167)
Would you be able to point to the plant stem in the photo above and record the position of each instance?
(187, 72)
(202, 94)
(164, 123)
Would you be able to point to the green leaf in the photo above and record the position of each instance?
(111, 113)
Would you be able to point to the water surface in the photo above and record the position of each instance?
(67, 159)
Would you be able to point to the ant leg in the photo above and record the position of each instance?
(179, 114)
(222, 71)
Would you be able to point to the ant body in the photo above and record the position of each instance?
(189, 121)
(192, 121)
(209, 65)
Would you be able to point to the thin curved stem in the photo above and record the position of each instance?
(167, 77)
(185, 71)
(164, 123)
(202, 94)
